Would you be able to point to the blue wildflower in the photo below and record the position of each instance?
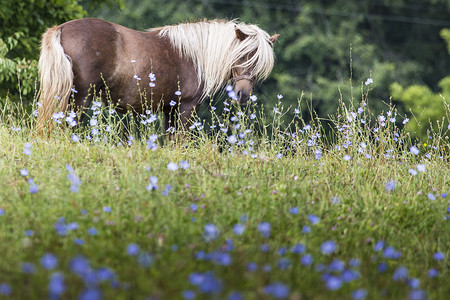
(350, 275)
(211, 232)
(200, 255)
(306, 260)
(328, 247)
(413, 172)
(28, 268)
(27, 149)
(90, 294)
(61, 228)
(235, 296)
(189, 294)
(49, 261)
(80, 266)
(401, 273)
(336, 266)
(172, 166)
(294, 210)
(153, 183)
(313, 219)
(220, 258)
(335, 200)
(277, 290)
(75, 138)
(72, 226)
(265, 247)
(391, 253)
(33, 187)
(368, 81)
(306, 229)
(5, 289)
(206, 282)
(438, 256)
(167, 190)
(184, 164)
(433, 273)
(267, 268)
(24, 172)
(92, 231)
(320, 268)
(264, 229)
(354, 263)
(284, 263)
(431, 196)
(145, 259)
(132, 249)
(244, 218)
(414, 283)
(414, 150)
(78, 241)
(238, 229)
(56, 286)
(232, 139)
(421, 168)
(282, 251)
(298, 249)
(251, 267)
(333, 283)
(104, 274)
(417, 295)
(390, 185)
(382, 267)
(107, 209)
(73, 178)
(359, 294)
(378, 246)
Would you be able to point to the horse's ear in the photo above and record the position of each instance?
(239, 34)
(273, 39)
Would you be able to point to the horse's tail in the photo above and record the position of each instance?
(55, 70)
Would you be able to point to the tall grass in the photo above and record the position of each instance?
(248, 206)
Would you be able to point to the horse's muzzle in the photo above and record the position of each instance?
(243, 97)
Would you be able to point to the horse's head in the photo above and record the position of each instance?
(242, 74)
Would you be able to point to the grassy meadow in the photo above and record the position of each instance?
(240, 209)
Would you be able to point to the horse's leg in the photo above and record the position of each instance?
(178, 120)
(82, 99)
(186, 113)
(170, 121)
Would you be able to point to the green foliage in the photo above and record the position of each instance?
(22, 24)
(17, 72)
(428, 108)
(445, 33)
(20, 36)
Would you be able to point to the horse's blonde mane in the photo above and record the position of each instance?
(214, 49)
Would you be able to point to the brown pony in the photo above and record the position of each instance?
(178, 65)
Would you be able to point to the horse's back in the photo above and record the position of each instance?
(91, 44)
